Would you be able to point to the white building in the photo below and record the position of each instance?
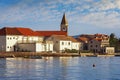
(22, 39)
(62, 42)
(25, 39)
(108, 50)
(36, 46)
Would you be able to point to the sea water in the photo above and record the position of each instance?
(60, 68)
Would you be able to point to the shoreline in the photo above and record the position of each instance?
(44, 54)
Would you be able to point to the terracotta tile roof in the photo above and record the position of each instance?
(99, 39)
(73, 39)
(50, 33)
(28, 32)
(101, 35)
(83, 39)
(63, 37)
(18, 31)
(9, 31)
(88, 37)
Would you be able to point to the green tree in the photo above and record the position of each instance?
(114, 41)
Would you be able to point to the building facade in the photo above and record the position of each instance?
(97, 43)
(62, 42)
(10, 38)
(25, 39)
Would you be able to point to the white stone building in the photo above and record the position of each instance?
(22, 39)
(108, 50)
(25, 39)
(36, 46)
(62, 42)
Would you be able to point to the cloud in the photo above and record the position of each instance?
(100, 13)
(102, 20)
(103, 13)
(21, 12)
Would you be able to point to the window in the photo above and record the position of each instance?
(56, 41)
(91, 42)
(91, 46)
(104, 50)
(9, 47)
(62, 43)
(68, 43)
(96, 45)
(8, 38)
(13, 37)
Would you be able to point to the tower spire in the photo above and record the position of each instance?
(64, 24)
(64, 20)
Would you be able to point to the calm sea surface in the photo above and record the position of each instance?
(60, 68)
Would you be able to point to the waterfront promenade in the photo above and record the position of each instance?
(24, 54)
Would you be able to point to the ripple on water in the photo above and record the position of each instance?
(60, 68)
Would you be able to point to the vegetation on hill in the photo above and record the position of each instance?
(114, 42)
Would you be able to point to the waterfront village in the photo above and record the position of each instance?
(20, 39)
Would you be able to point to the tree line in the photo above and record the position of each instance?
(114, 42)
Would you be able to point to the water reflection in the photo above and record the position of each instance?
(60, 68)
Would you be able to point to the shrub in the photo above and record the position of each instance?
(71, 51)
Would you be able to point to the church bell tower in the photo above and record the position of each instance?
(64, 24)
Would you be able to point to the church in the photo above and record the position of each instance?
(19, 39)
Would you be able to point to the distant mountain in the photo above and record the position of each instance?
(76, 36)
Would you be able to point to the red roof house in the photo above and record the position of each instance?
(28, 32)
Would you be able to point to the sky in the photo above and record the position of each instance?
(84, 16)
